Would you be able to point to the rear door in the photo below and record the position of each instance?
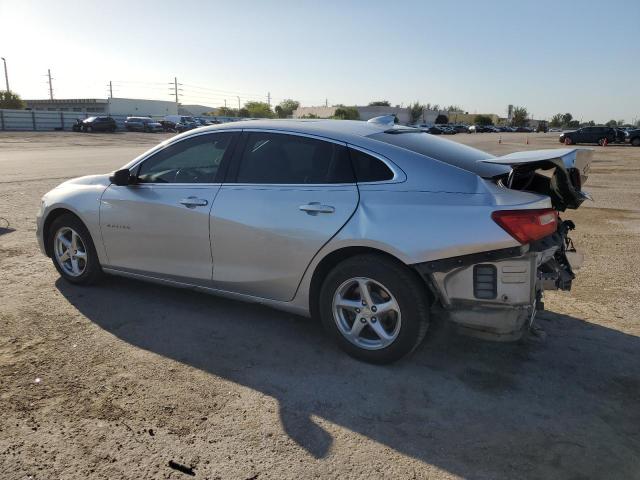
(286, 196)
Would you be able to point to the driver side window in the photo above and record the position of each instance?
(194, 160)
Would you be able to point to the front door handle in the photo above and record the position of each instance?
(192, 202)
(315, 208)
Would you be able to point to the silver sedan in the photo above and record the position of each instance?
(367, 226)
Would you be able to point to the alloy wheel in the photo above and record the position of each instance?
(70, 252)
(366, 313)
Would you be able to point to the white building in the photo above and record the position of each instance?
(107, 106)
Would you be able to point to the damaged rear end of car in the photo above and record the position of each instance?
(496, 294)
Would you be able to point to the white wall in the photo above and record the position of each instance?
(135, 107)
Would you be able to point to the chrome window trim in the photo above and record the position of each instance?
(297, 134)
(398, 174)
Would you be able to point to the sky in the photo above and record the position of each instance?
(580, 57)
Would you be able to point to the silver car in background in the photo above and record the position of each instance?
(368, 226)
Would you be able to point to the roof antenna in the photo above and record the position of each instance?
(388, 120)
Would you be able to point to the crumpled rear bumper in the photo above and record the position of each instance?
(493, 294)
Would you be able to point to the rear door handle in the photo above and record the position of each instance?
(315, 208)
(192, 202)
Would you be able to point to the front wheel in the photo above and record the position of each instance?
(375, 308)
(72, 251)
(636, 142)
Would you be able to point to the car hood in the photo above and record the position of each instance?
(88, 180)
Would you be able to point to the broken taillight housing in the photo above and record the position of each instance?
(527, 225)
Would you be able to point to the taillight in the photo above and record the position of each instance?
(527, 225)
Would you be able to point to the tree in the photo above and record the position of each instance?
(286, 107)
(573, 124)
(243, 112)
(442, 119)
(379, 103)
(519, 118)
(310, 115)
(454, 109)
(258, 110)
(483, 120)
(566, 119)
(11, 100)
(346, 113)
(415, 111)
(557, 120)
(227, 112)
(611, 123)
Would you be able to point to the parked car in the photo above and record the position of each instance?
(180, 123)
(460, 128)
(98, 124)
(589, 135)
(621, 135)
(633, 137)
(447, 129)
(142, 124)
(365, 226)
(523, 130)
(480, 129)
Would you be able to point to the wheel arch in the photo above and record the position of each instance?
(51, 217)
(335, 257)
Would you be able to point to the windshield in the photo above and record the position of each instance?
(445, 151)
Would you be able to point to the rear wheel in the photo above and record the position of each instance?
(568, 141)
(73, 252)
(601, 141)
(636, 142)
(375, 308)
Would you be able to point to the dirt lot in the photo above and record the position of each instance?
(116, 380)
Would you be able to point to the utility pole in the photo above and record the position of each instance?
(238, 107)
(174, 91)
(6, 76)
(326, 102)
(269, 99)
(50, 84)
(225, 103)
(110, 89)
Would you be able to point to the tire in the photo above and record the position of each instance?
(88, 268)
(387, 281)
(568, 141)
(635, 142)
(601, 141)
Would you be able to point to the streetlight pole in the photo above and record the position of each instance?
(6, 75)
(238, 106)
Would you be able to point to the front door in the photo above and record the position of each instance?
(160, 225)
(287, 196)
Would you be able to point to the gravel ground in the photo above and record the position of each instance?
(117, 380)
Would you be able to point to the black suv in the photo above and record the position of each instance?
(590, 135)
(633, 137)
(99, 124)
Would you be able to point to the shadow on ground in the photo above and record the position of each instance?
(564, 407)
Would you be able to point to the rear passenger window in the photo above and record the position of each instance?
(272, 158)
(368, 168)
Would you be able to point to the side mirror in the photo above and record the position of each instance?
(122, 178)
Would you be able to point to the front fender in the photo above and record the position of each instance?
(83, 201)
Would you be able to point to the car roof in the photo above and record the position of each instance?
(342, 130)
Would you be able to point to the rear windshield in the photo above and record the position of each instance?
(446, 151)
